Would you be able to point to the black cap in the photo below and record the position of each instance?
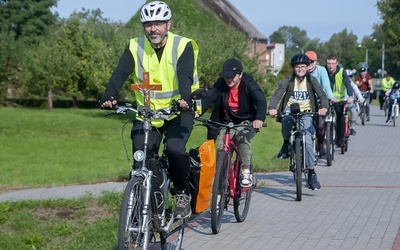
(363, 69)
(231, 67)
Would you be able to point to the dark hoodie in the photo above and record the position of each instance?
(252, 102)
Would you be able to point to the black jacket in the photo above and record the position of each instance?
(252, 102)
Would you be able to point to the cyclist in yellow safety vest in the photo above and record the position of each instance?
(342, 91)
(387, 83)
(171, 61)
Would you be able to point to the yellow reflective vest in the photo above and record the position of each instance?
(161, 72)
(339, 89)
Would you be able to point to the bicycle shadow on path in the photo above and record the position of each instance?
(278, 186)
(201, 223)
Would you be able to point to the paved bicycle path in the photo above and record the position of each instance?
(358, 206)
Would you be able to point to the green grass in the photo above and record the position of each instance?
(74, 146)
(84, 223)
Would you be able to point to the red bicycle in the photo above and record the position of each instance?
(227, 177)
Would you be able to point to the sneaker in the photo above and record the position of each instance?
(322, 152)
(353, 131)
(387, 120)
(313, 182)
(367, 118)
(247, 178)
(182, 206)
(284, 152)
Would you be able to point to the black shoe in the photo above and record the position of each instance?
(284, 152)
(367, 118)
(322, 152)
(353, 131)
(182, 206)
(381, 108)
(313, 182)
(387, 120)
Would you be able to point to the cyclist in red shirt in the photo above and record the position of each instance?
(364, 83)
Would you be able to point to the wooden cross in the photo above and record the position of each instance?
(146, 87)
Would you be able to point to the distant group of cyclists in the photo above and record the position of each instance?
(171, 61)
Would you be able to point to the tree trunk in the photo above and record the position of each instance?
(50, 99)
(74, 102)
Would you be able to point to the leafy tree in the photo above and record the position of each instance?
(344, 45)
(390, 28)
(27, 19)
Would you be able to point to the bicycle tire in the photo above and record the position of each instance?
(241, 204)
(131, 215)
(219, 191)
(395, 112)
(298, 168)
(328, 139)
(363, 115)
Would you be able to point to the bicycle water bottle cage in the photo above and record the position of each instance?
(294, 108)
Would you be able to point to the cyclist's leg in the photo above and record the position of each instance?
(381, 98)
(177, 135)
(367, 106)
(339, 129)
(308, 126)
(242, 139)
(320, 134)
(287, 124)
(353, 117)
(389, 113)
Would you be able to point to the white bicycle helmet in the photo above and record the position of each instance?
(155, 11)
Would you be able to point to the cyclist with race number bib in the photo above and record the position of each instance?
(304, 89)
(237, 98)
(393, 93)
(171, 61)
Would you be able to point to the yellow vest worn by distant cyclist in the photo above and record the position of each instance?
(161, 72)
(339, 89)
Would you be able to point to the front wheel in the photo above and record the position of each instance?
(363, 115)
(130, 231)
(395, 112)
(219, 191)
(241, 203)
(299, 168)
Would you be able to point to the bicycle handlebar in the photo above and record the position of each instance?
(229, 125)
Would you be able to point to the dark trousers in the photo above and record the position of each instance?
(381, 97)
(320, 130)
(177, 132)
(339, 129)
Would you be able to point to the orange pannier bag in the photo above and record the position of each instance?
(202, 170)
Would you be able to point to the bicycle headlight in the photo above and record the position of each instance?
(139, 155)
